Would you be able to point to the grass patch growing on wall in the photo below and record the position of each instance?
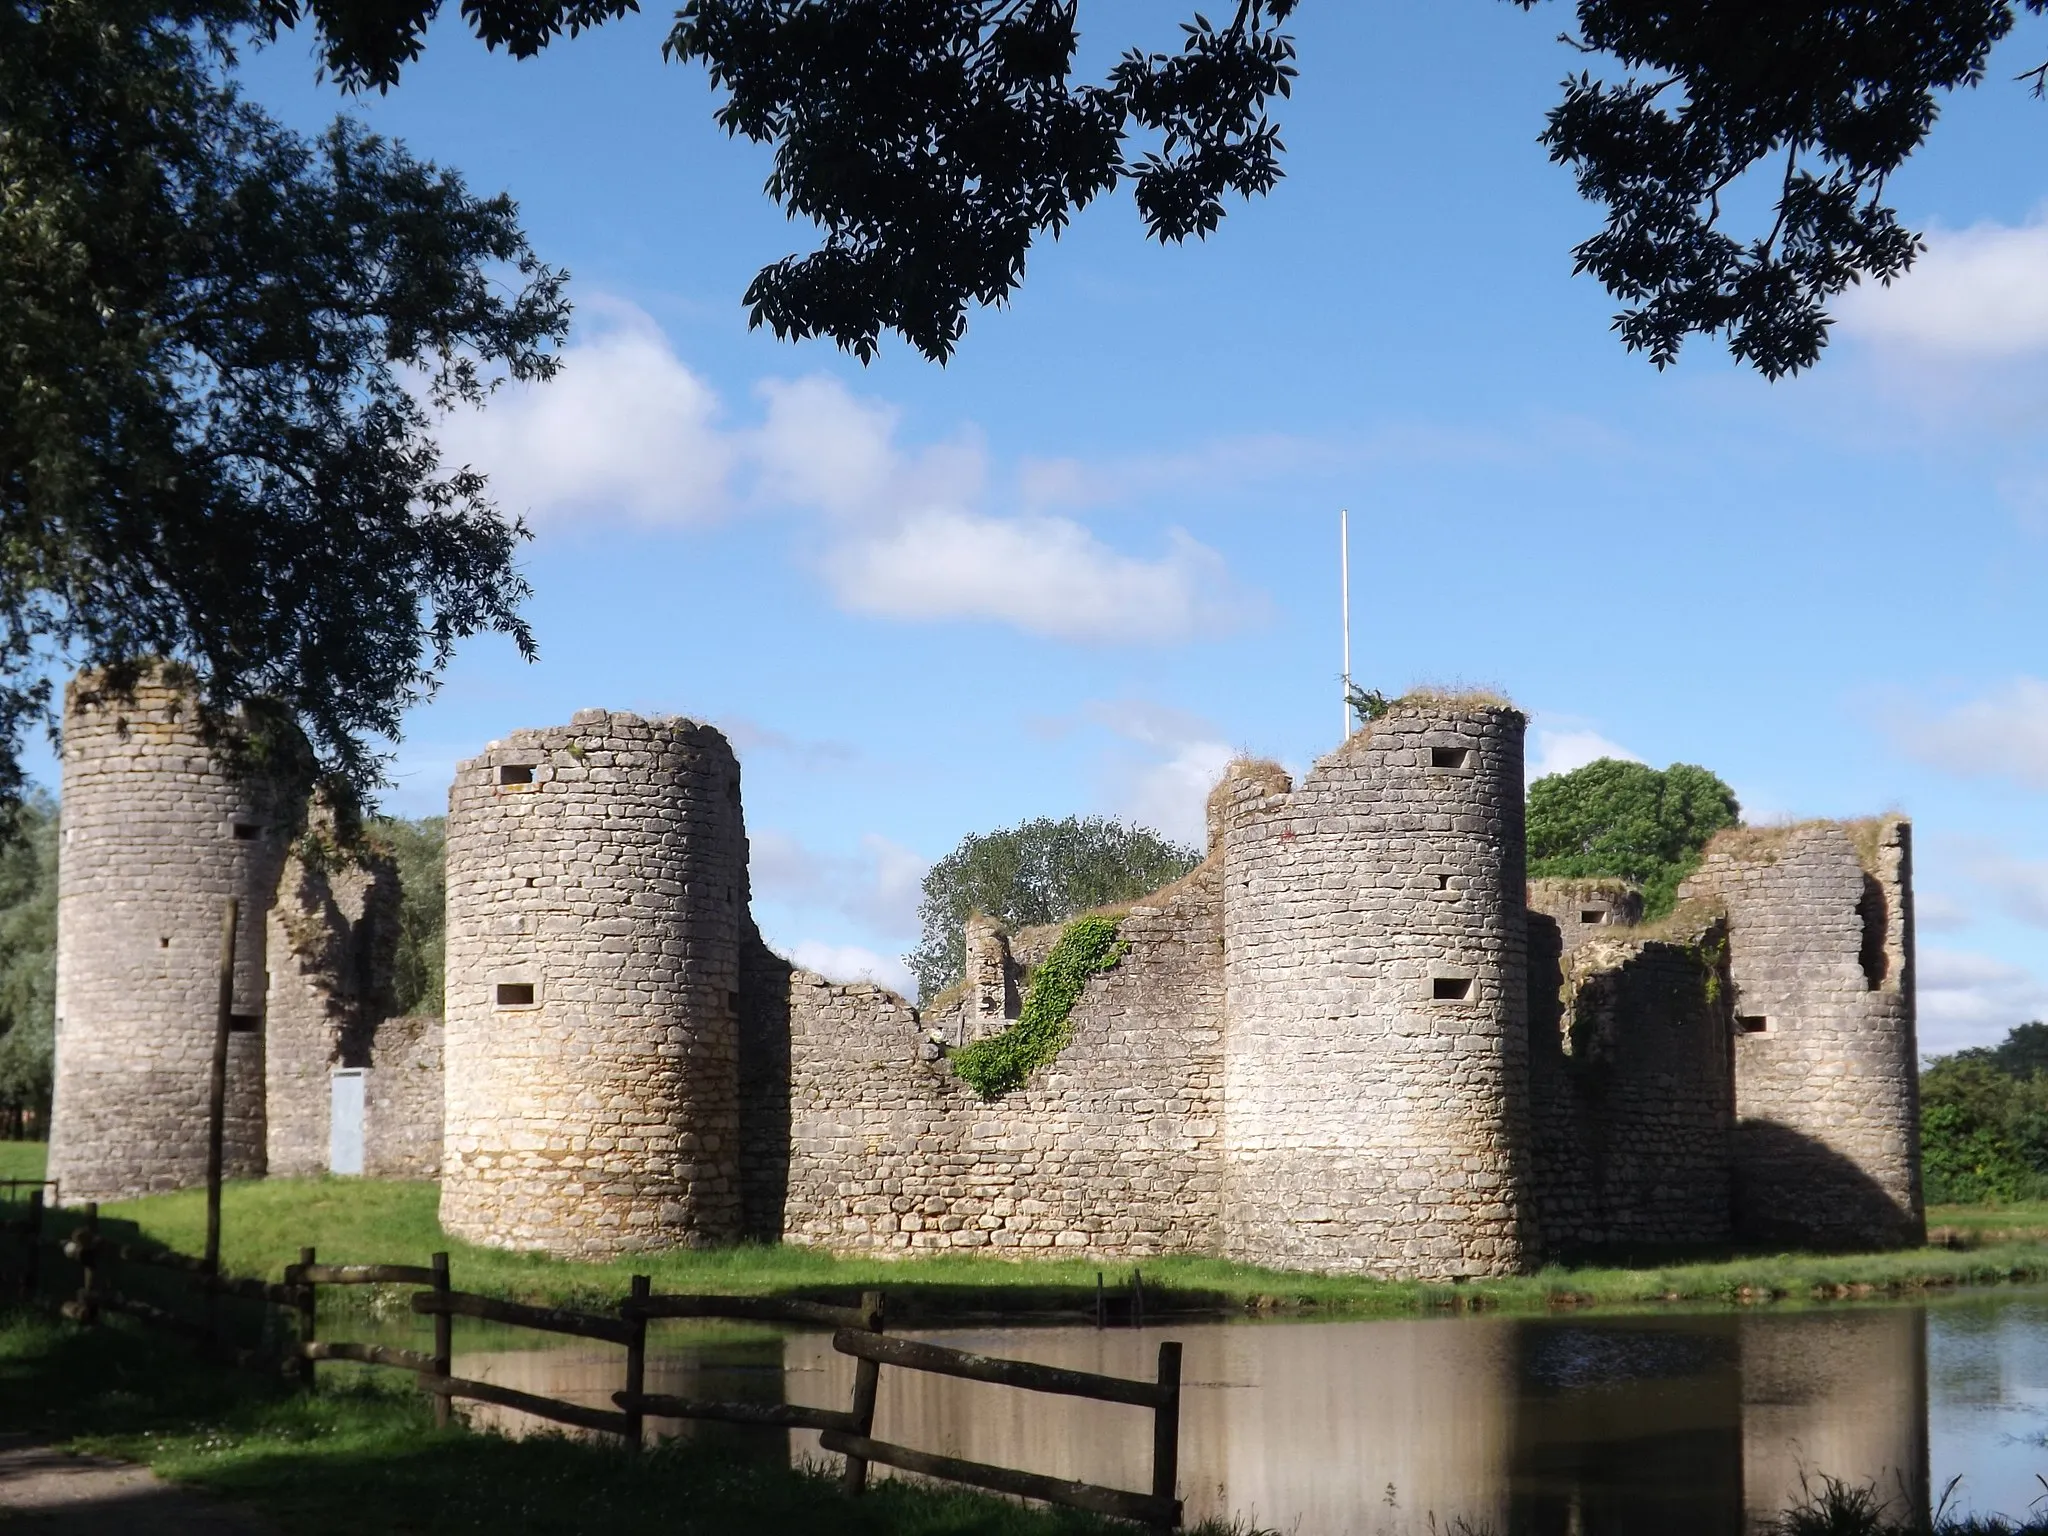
(373, 1221)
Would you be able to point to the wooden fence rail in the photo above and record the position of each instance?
(858, 1334)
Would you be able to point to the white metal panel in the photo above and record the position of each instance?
(345, 1122)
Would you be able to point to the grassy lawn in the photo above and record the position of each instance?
(22, 1159)
(366, 1221)
(364, 1456)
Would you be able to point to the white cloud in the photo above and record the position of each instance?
(2003, 734)
(624, 430)
(1972, 999)
(850, 962)
(1997, 880)
(1045, 575)
(877, 888)
(1165, 784)
(1974, 293)
(1560, 751)
(628, 431)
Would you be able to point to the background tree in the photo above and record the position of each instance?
(28, 966)
(1627, 820)
(930, 140)
(1826, 97)
(1040, 871)
(1984, 1120)
(211, 448)
(419, 848)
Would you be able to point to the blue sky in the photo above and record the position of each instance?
(1079, 567)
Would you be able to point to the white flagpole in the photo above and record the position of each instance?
(1344, 559)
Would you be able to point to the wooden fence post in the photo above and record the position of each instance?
(31, 1264)
(88, 1266)
(308, 1305)
(867, 1379)
(636, 1366)
(1137, 1299)
(444, 1339)
(1166, 1427)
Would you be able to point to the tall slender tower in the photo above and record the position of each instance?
(1376, 1037)
(157, 834)
(596, 894)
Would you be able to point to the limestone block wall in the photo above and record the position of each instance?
(1376, 1054)
(596, 890)
(402, 1099)
(1111, 1150)
(1826, 1084)
(156, 836)
(1632, 1088)
(1585, 910)
(332, 936)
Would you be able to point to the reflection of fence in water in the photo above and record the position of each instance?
(1278, 1422)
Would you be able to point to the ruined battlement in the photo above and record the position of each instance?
(1355, 1038)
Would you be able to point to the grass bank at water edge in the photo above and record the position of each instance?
(265, 1223)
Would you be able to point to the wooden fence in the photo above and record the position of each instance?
(858, 1333)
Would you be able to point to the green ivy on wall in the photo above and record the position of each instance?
(995, 1066)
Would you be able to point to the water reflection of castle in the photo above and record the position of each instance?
(1539, 1427)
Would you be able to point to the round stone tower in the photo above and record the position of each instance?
(156, 835)
(1376, 1045)
(597, 881)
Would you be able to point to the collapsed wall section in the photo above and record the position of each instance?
(1586, 910)
(1826, 1076)
(402, 1099)
(156, 835)
(1376, 1051)
(1631, 1084)
(1110, 1150)
(332, 937)
(596, 890)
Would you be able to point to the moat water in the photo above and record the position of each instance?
(1675, 1423)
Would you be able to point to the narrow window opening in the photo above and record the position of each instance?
(1450, 757)
(246, 832)
(515, 773)
(1752, 1023)
(1443, 882)
(515, 994)
(1452, 989)
(244, 1023)
(1593, 915)
(1871, 954)
(163, 943)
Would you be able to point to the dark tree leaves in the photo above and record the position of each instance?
(209, 449)
(930, 140)
(1827, 99)
(933, 142)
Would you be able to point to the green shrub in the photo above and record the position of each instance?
(995, 1066)
(1984, 1122)
(1629, 821)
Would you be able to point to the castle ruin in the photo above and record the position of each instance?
(1355, 1039)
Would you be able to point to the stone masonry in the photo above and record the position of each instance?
(597, 881)
(1827, 1146)
(1355, 1038)
(156, 836)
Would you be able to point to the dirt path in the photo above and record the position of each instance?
(49, 1493)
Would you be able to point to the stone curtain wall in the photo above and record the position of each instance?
(1377, 1057)
(1826, 1082)
(1111, 1151)
(1631, 1085)
(599, 870)
(402, 1099)
(332, 936)
(156, 837)
(1585, 910)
